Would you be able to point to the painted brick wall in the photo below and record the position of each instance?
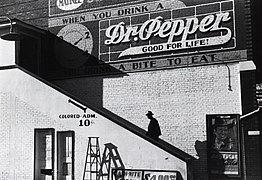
(23, 110)
(31, 117)
(180, 98)
(18, 120)
(4, 135)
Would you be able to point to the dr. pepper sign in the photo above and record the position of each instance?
(171, 30)
(166, 32)
(153, 29)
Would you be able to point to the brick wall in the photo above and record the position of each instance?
(179, 98)
(29, 118)
(18, 120)
(34, 12)
(23, 110)
(5, 135)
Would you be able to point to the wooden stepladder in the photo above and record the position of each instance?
(111, 156)
(93, 159)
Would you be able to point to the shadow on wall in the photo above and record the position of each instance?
(68, 67)
(200, 163)
(80, 76)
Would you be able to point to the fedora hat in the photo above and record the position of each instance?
(149, 113)
(224, 122)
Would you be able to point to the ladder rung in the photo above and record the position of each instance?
(103, 174)
(94, 171)
(94, 155)
(92, 158)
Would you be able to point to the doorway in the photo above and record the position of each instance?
(65, 155)
(44, 154)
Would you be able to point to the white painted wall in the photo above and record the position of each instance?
(27, 103)
(7, 53)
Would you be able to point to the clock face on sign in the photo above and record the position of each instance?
(78, 35)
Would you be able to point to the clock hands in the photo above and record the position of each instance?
(78, 35)
(78, 41)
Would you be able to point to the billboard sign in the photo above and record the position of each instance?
(147, 35)
(153, 29)
(223, 145)
(141, 174)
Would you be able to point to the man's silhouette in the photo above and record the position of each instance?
(153, 128)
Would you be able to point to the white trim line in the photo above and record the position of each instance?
(247, 65)
(251, 113)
